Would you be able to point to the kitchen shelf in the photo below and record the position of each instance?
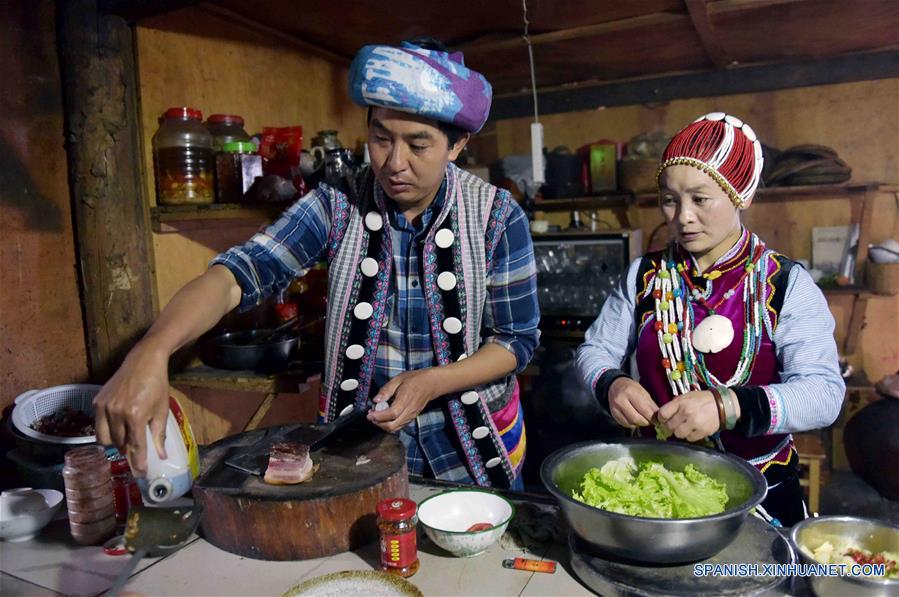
(178, 218)
(805, 192)
(243, 381)
(612, 201)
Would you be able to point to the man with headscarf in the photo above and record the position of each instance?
(432, 305)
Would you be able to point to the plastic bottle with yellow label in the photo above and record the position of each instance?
(173, 477)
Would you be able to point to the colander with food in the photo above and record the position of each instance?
(63, 405)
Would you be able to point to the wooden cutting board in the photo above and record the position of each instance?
(331, 513)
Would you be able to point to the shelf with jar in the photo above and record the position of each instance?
(180, 218)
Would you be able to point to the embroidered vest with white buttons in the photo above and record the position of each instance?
(455, 256)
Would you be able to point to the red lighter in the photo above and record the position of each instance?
(530, 565)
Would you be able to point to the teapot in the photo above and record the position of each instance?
(322, 143)
(339, 164)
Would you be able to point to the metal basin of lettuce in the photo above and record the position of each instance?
(653, 540)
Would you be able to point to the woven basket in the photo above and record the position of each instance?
(34, 404)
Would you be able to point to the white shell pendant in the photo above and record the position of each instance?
(713, 334)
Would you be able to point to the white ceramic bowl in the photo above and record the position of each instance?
(24, 512)
(447, 516)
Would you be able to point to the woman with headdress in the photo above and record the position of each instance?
(734, 341)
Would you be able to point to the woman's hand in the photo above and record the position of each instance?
(630, 404)
(691, 416)
(409, 393)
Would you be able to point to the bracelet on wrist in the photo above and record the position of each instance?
(719, 402)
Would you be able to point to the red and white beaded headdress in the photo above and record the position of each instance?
(725, 148)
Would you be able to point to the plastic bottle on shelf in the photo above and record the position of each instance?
(183, 159)
(89, 495)
(237, 165)
(226, 128)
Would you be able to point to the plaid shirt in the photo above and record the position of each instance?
(271, 259)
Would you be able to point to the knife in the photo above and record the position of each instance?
(254, 460)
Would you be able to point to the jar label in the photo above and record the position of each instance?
(398, 551)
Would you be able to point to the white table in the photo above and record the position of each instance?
(53, 564)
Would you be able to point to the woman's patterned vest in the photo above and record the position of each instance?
(455, 255)
(757, 450)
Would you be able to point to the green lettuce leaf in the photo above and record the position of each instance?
(651, 490)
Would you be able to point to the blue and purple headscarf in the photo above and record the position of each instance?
(429, 83)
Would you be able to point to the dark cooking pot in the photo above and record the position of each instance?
(247, 350)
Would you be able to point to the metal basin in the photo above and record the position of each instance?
(653, 540)
(872, 535)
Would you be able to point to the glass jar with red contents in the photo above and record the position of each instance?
(399, 547)
(125, 490)
(183, 158)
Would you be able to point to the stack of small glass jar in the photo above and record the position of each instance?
(89, 495)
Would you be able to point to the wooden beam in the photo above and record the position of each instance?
(103, 146)
(744, 79)
(733, 6)
(264, 29)
(699, 15)
(619, 26)
(864, 235)
(133, 11)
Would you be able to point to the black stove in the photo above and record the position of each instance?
(758, 543)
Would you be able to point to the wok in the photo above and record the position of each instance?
(264, 350)
(248, 350)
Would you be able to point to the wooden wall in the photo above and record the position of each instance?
(41, 329)
(198, 58)
(859, 120)
(202, 59)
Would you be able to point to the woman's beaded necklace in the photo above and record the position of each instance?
(684, 365)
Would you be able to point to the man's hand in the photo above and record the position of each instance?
(137, 395)
(691, 416)
(630, 404)
(408, 393)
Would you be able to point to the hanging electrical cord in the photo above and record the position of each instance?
(538, 166)
(527, 40)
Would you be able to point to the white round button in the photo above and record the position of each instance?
(379, 406)
(715, 116)
(355, 351)
(348, 385)
(469, 397)
(446, 280)
(750, 134)
(363, 311)
(445, 238)
(480, 432)
(452, 325)
(374, 221)
(462, 357)
(493, 462)
(369, 267)
(347, 410)
(733, 120)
